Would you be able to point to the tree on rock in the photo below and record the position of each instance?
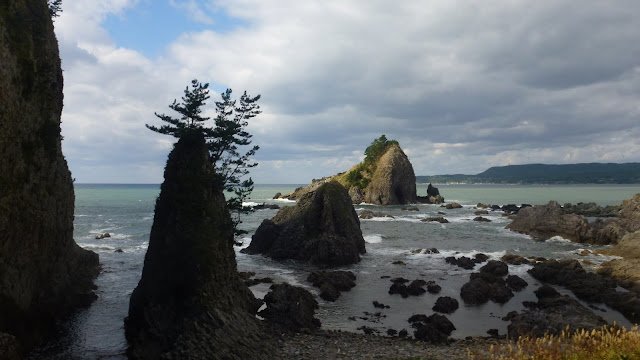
(223, 140)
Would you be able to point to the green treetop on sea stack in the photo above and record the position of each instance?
(360, 176)
(223, 140)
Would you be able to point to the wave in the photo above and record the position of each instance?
(250, 204)
(373, 238)
(284, 200)
(559, 239)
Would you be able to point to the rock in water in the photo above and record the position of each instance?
(323, 228)
(43, 272)
(190, 301)
(393, 182)
(546, 221)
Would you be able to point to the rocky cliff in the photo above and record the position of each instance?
(43, 272)
(190, 301)
(323, 228)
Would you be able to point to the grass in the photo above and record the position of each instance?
(607, 343)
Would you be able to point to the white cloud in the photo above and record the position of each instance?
(462, 86)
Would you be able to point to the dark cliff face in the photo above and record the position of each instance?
(43, 273)
(190, 302)
(323, 228)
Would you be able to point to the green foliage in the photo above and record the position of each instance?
(358, 177)
(224, 139)
(55, 7)
(377, 148)
(190, 109)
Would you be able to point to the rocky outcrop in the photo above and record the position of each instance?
(331, 283)
(587, 285)
(44, 274)
(323, 228)
(591, 209)
(483, 287)
(434, 329)
(446, 304)
(389, 181)
(368, 214)
(190, 301)
(290, 308)
(551, 315)
(546, 221)
(393, 182)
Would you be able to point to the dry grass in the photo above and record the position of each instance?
(607, 343)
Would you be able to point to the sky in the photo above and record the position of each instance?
(462, 85)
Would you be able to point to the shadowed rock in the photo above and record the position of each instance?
(434, 329)
(290, 308)
(323, 228)
(446, 304)
(551, 314)
(190, 301)
(44, 274)
(331, 283)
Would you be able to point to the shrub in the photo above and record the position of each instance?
(607, 343)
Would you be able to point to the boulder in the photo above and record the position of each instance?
(433, 196)
(481, 219)
(466, 262)
(190, 301)
(453, 206)
(290, 308)
(331, 283)
(44, 274)
(434, 329)
(483, 287)
(481, 212)
(323, 228)
(495, 267)
(514, 259)
(438, 219)
(516, 283)
(368, 214)
(278, 195)
(551, 315)
(446, 304)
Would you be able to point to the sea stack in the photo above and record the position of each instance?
(44, 274)
(393, 182)
(385, 178)
(323, 228)
(190, 301)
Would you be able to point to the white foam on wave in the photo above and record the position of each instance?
(559, 239)
(373, 238)
(96, 246)
(284, 200)
(367, 204)
(379, 219)
(495, 255)
(360, 209)
(250, 204)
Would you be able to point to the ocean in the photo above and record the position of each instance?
(126, 212)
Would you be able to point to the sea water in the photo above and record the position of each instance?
(126, 213)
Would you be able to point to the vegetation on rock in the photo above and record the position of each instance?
(360, 176)
(223, 139)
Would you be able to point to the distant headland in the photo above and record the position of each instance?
(584, 173)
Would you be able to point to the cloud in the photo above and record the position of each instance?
(462, 86)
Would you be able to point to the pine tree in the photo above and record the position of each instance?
(55, 7)
(224, 139)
